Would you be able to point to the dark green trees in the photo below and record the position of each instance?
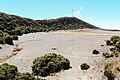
(5, 38)
(49, 63)
(16, 25)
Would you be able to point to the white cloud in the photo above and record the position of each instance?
(77, 13)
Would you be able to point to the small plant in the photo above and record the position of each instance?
(84, 66)
(95, 52)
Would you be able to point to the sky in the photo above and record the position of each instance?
(101, 13)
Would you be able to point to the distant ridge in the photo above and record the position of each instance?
(16, 25)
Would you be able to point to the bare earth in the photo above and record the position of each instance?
(77, 46)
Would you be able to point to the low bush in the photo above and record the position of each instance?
(118, 45)
(9, 40)
(107, 55)
(95, 52)
(0, 47)
(114, 39)
(5, 38)
(27, 76)
(84, 66)
(49, 63)
(8, 72)
(108, 71)
(108, 42)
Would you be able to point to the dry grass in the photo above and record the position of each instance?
(83, 33)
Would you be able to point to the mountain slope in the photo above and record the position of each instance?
(16, 25)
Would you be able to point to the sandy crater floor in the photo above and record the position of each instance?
(77, 46)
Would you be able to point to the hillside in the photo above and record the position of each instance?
(16, 25)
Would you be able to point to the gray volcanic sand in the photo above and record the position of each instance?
(75, 47)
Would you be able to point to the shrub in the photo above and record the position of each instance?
(118, 45)
(15, 37)
(9, 40)
(26, 76)
(107, 55)
(8, 72)
(2, 41)
(49, 63)
(114, 39)
(5, 38)
(108, 42)
(0, 47)
(95, 52)
(108, 71)
(84, 66)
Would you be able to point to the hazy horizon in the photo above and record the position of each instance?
(101, 13)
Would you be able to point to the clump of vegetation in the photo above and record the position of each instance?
(95, 52)
(107, 55)
(117, 46)
(5, 38)
(8, 72)
(108, 42)
(15, 37)
(108, 72)
(26, 76)
(114, 39)
(16, 25)
(9, 40)
(111, 69)
(84, 66)
(115, 42)
(0, 47)
(49, 63)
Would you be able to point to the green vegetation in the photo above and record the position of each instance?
(109, 72)
(5, 38)
(115, 39)
(112, 67)
(95, 52)
(15, 25)
(115, 42)
(108, 42)
(10, 72)
(15, 37)
(108, 55)
(49, 63)
(26, 76)
(84, 66)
